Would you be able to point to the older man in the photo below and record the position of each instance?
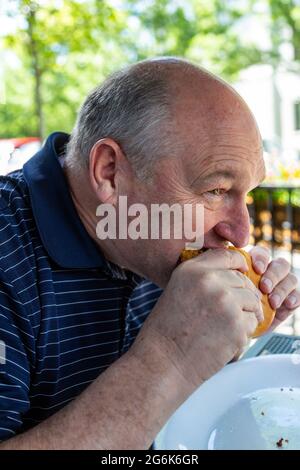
(72, 376)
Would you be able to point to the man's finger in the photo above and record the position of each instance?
(252, 322)
(249, 301)
(260, 258)
(283, 290)
(222, 258)
(234, 278)
(277, 270)
(281, 315)
(293, 300)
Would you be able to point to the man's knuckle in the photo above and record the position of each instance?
(281, 291)
(223, 298)
(207, 279)
(264, 251)
(281, 262)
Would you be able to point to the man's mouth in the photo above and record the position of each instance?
(224, 244)
(189, 253)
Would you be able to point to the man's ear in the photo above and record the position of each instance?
(105, 160)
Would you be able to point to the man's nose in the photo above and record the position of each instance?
(236, 227)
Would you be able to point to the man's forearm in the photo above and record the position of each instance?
(123, 409)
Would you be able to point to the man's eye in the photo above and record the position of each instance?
(217, 192)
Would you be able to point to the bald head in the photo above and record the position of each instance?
(152, 109)
(209, 117)
(193, 88)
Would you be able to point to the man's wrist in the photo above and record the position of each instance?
(166, 387)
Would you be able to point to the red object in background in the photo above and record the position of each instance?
(14, 152)
(17, 142)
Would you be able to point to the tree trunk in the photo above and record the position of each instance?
(31, 19)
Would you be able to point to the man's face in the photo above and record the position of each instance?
(220, 179)
(217, 171)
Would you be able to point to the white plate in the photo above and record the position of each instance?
(250, 404)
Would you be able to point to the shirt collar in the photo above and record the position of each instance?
(61, 230)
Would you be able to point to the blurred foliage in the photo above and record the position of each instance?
(201, 31)
(63, 48)
(285, 15)
(280, 197)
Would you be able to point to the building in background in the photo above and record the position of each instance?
(273, 95)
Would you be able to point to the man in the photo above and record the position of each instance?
(72, 376)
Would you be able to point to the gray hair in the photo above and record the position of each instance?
(134, 108)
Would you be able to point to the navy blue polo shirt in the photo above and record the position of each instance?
(66, 313)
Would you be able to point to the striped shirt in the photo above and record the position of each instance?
(66, 313)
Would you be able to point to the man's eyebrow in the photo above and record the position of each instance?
(226, 174)
(223, 173)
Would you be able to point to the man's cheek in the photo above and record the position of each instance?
(211, 219)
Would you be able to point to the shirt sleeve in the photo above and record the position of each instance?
(16, 360)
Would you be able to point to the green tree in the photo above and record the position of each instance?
(202, 31)
(62, 48)
(285, 16)
(65, 47)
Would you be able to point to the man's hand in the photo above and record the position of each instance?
(278, 282)
(204, 317)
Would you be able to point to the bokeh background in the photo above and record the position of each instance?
(53, 52)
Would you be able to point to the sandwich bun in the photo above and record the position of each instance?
(269, 312)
